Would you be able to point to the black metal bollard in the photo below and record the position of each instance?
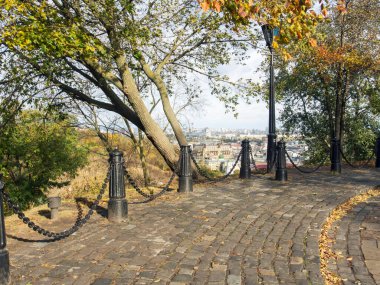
(281, 171)
(185, 171)
(4, 255)
(245, 168)
(336, 166)
(117, 205)
(377, 150)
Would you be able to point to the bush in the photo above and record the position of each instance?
(35, 150)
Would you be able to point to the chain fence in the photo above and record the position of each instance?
(306, 170)
(64, 234)
(211, 179)
(357, 166)
(150, 197)
(258, 171)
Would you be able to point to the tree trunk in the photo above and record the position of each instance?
(156, 78)
(170, 115)
(345, 92)
(144, 165)
(152, 130)
(338, 104)
(139, 147)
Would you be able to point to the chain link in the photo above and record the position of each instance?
(358, 166)
(154, 196)
(204, 173)
(150, 197)
(254, 163)
(64, 234)
(303, 170)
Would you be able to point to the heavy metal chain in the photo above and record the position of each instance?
(304, 170)
(204, 173)
(358, 166)
(57, 236)
(134, 184)
(254, 162)
(154, 196)
(150, 197)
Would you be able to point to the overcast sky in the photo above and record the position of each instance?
(254, 116)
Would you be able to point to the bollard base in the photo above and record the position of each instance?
(281, 175)
(185, 184)
(117, 210)
(336, 168)
(245, 173)
(4, 267)
(54, 213)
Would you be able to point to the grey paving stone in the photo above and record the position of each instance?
(102, 281)
(238, 232)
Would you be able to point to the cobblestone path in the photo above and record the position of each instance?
(237, 232)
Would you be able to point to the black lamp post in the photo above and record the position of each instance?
(271, 148)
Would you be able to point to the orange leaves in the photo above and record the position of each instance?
(326, 253)
(207, 5)
(313, 42)
(242, 12)
(217, 6)
(324, 12)
(204, 5)
(295, 17)
(341, 6)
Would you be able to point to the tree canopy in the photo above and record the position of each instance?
(112, 53)
(332, 90)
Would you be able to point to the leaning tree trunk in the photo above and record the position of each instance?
(170, 115)
(156, 78)
(151, 129)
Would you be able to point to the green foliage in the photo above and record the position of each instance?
(36, 149)
(210, 173)
(333, 90)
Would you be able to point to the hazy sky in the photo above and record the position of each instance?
(254, 116)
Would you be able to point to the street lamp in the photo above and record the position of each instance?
(271, 148)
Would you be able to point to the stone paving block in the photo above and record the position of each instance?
(182, 278)
(102, 281)
(245, 225)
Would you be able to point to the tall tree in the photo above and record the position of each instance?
(331, 90)
(114, 49)
(99, 51)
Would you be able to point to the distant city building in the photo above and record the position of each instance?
(218, 149)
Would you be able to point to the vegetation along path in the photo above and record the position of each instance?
(256, 231)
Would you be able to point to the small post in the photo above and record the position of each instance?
(54, 203)
(185, 172)
(281, 171)
(245, 168)
(4, 255)
(336, 166)
(377, 150)
(117, 205)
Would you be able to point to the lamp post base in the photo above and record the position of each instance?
(271, 152)
(336, 168)
(281, 175)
